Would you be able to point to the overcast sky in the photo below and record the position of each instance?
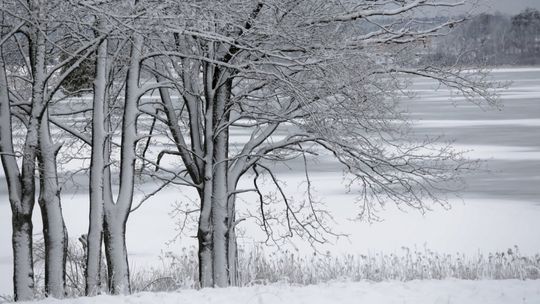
(508, 6)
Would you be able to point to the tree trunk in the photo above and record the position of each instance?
(38, 143)
(204, 236)
(54, 228)
(23, 266)
(22, 217)
(21, 190)
(23, 263)
(220, 193)
(116, 252)
(232, 247)
(97, 174)
(116, 214)
(219, 219)
(204, 233)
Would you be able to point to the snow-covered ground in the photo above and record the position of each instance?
(413, 292)
(500, 208)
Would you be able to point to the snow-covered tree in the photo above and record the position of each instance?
(327, 72)
(108, 216)
(298, 77)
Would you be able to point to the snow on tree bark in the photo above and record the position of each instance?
(116, 214)
(23, 268)
(204, 232)
(220, 194)
(116, 252)
(204, 236)
(22, 186)
(23, 263)
(54, 228)
(21, 205)
(97, 174)
(39, 141)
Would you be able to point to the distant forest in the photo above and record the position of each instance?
(491, 39)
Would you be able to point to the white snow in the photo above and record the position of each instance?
(413, 292)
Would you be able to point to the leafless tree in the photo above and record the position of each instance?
(299, 77)
(327, 72)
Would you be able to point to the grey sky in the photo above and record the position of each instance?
(508, 6)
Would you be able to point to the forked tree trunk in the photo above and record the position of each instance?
(54, 228)
(38, 143)
(23, 266)
(116, 214)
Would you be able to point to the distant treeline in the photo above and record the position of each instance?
(492, 39)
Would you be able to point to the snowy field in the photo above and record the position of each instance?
(499, 209)
(413, 292)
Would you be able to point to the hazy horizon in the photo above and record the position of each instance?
(507, 7)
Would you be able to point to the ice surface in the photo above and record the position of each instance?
(467, 123)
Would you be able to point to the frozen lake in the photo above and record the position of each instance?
(509, 137)
(500, 208)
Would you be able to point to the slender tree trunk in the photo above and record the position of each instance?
(54, 228)
(97, 174)
(232, 246)
(204, 233)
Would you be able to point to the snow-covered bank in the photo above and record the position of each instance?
(414, 292)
